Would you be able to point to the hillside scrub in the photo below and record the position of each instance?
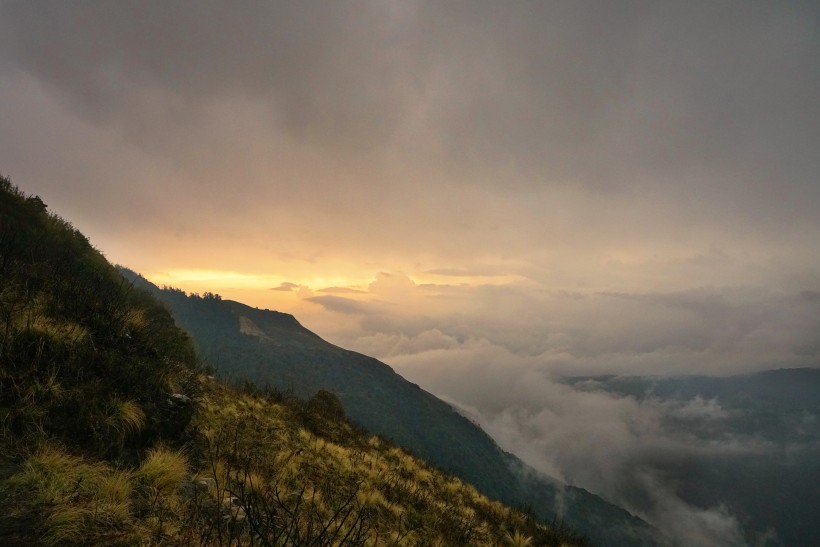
(253, 473)
(84, 357)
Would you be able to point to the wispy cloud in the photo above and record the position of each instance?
(341, 290)
(286, 286)
(340, 305)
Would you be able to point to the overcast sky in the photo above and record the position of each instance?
(596, 186)
(492, 191)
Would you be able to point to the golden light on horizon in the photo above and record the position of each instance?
(216, 280)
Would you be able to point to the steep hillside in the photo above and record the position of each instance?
(86, 359)
(272, 348)
(111, 434)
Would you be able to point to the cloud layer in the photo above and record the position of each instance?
(455, 132)
(497, 353)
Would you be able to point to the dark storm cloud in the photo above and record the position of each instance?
(710, 104)
(321, 68)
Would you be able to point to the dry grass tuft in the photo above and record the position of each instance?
(517, 539)
(80, 502)
(125, 417)
(67, 524)
(163, 470)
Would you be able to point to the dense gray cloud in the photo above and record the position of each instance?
(615, 447)
(705, 110)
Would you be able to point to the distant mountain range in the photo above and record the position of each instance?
(771, 485)
(272, 348)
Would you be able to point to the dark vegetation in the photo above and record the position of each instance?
(86, 359)
(111, 433)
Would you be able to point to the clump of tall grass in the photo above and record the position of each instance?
(57, 330)
(162, 475)
(163, 470)
(69, 500)
(517, 539)
(125, 417)
(51, 472)
(50, 387)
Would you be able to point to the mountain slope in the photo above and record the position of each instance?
(83, 356)
(111, 434)
(272, 348)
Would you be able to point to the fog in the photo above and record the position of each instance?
(504, 370)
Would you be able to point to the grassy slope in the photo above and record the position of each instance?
(275, 349)
(111, 435)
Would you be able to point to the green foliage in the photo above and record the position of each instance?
(126, 417)
(256, 476)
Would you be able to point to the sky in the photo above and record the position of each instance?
(490, 190)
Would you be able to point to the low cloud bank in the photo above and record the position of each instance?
(613, 446)
(714, 331)
(498, 352)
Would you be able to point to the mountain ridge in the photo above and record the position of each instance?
(293, 358)
(112, 433)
